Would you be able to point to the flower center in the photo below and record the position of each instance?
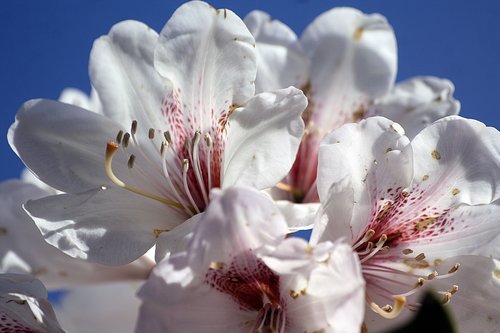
(387, 269)
(254, 287)
(187, 167)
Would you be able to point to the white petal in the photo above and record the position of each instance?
(280, 60)
(248, 220)
(323, 286)
(417, 102)
(460, 158)
(24, 250)
(173, 242)
(353, 59)
(79, 98)
(298, 216)
(475, 305)
(209, 56)
(263, 139)
(24, 306)
(63, 145)
(475, 228)
(121, 69)
(177, 297)
(109, 226)
(112, 308)
(367, 158)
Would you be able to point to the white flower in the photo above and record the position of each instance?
(171, 104)
(417, 213)
(345, 61)
(238, 274)
(24, 306)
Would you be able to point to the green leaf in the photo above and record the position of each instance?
(431, 318)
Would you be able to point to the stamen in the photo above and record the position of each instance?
(163, 149)
(133, 127)
(289, 188)
(407, 251)
(185, 168)
(126, 139)
(451, 272)
(388, 311)
(208, 141)
(380, 244)
(151, 133)
(131, 161)
(369, 247)
(167, 137)
(432, 275)
(416, 286)
(454, 268)
(197, 167)
(420, 257)
(119, 137)
(111, 149)
(368, 235)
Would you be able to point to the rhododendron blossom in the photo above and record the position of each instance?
(417, 212)
(179, 117)
(252, 279)
(345, 61)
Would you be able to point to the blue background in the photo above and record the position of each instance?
(45, 45)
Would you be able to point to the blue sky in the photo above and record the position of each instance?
(45, 45)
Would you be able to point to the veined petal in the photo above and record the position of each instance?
(125, 224)
(476, 228)
(24, 250)
(110, 307)
(417, 103)
(209, 56)
(353, 59)
(24, 306)
(459, 160)
(363, 156)
(183, 286)
(63, 145)
(121, 69)
(263, 139)
(281, 62)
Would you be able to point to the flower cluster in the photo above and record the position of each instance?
(204, 147)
